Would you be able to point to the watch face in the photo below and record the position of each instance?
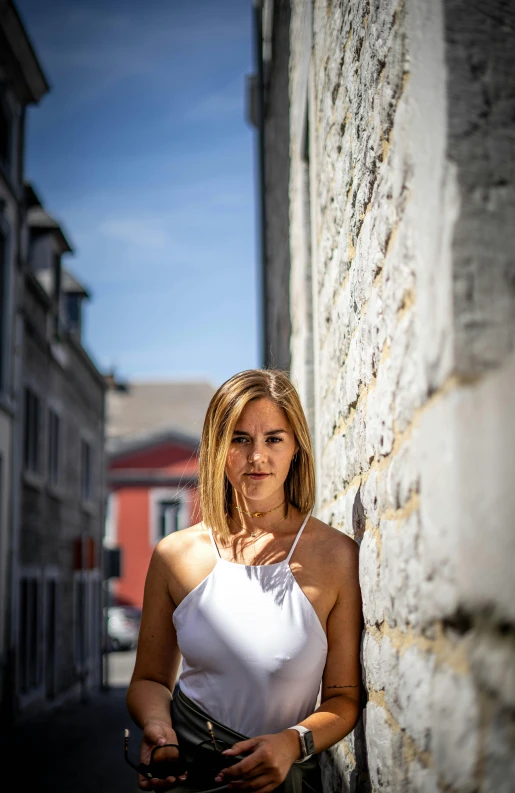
(309, 742)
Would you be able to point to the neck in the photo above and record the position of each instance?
(275, 510)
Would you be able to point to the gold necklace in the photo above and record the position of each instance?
(257, 514)
(253, 533)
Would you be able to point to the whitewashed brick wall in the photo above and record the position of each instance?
(411, 193)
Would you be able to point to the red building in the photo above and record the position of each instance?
(152, 475)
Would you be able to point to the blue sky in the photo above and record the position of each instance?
(141, 150)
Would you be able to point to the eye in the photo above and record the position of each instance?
(275, 439)
(240, 439)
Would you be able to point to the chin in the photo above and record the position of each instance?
(259, 489)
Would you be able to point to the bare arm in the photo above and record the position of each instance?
(341, 684)
(157, 663)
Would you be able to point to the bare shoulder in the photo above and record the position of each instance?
(182, 545)
(335, 550)
(180, 540)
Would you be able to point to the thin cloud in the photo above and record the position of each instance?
(93, 49)
(218, 105)
(134, 231)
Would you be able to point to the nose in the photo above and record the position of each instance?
(254, 456)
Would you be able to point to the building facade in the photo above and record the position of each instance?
(153, 438)
(389, 293)
(152, 493)
(22, 83)
(58, 633)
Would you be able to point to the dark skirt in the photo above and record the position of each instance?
(203, 762)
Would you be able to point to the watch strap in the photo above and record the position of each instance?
(307, 746)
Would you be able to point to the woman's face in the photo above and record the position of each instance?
(261, 451)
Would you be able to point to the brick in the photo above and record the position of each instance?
(402, 478)
(379, 420)
(384, 751)
(421, 779)
(409, 698)
(370, 498)
(355, 443)
(401, 571)
(455, 729)
(380, 665)
(370, 580)
(438, 514)
(409, 384)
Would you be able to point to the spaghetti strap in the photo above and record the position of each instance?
(215, 546)
(297, 538)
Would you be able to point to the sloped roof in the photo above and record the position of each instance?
(69, 283)
(150, 408)
(129, 445)
(38, 218)
(30, 80)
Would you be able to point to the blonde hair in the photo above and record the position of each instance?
(223, 413)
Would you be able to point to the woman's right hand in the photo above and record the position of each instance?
(159, 733)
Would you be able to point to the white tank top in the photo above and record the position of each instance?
(253, 647)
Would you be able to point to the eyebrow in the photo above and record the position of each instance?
(271, 432)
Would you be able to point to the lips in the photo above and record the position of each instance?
(257, 476)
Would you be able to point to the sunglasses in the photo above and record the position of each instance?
(160, 769)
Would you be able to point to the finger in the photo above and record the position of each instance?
(242, 746)
(248, 764)
(164, 754)
(162, 784)
(170, 779)
(260, 777)
(250, 775)
(154, 735)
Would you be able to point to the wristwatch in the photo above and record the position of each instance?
(307, 744)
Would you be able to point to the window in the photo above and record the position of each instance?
(73, 313)
(87, 625)
(54, 440)
(6, 134)
(32, 432)
(167, 517)
(80, 614)
(85, 471)
(52, 603)
(31, 661)
(57, 293)
(169, 512)
(3, 307)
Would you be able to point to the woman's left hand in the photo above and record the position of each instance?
(267, 762)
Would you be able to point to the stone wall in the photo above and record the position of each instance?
(408, 281)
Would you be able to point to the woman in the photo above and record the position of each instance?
(262, 601)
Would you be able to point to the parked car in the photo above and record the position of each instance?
(123, 627)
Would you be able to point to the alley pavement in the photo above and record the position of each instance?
(78, 748)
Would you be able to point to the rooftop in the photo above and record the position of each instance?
(17, 52)
(148, 407)
(38, 218)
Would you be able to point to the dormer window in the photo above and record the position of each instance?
(73, 313)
